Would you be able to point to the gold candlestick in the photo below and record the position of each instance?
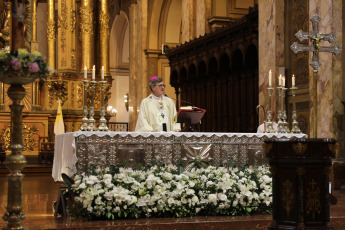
(102, 121)
(92, 126)
(280, 110)
(284, 116)
(269, 124)
(294, 128)
(85, 120)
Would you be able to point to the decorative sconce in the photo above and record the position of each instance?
(111, 111)
(126, 101)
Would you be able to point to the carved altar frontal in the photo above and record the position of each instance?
(219, 149)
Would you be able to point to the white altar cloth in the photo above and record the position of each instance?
(65, 157)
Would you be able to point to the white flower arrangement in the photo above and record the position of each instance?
(162, 192)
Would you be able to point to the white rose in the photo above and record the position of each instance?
(212, 198)
(107, 176)
(190, 191)
(222, 197)
(98, 200)
(195, 199)
(82, 186)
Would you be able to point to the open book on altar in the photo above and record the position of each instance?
(190, 114)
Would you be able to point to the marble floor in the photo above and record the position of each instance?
(40, 192)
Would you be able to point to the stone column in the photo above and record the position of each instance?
(104, 35)
(133, 64)
(51, 34)
(187, 20)
(200, 18)
(86, 32)
(330, 81)
(271, 33)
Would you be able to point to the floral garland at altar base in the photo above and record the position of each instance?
(21, 67)
(162, 192)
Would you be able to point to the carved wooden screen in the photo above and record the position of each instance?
(219, 73)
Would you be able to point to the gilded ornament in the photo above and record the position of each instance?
(299, 148)
(73, 20)
(51, 30)
(104, 24)
(73, 59)
(5, 19)
(86, 22)
(80, 96)
(287, 196)
(72, 94)
(57, 90)
(313, 205)
(30, 143)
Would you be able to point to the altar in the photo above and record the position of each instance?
(75, 151)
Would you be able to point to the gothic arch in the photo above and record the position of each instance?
(164, 27)
(213, 67)
(119, 42)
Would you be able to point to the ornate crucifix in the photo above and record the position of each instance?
(315, 37)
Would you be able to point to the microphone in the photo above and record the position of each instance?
(179, 100)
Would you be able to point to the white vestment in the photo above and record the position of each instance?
(152, 115)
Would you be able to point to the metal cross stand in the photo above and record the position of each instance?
(315, 37)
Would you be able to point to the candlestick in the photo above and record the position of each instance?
(92, 126)
(85, 73)
(280, 80)
(102, 121)
(269, 123)
(85, 120)
(280, 110)
(283, 78)
(102, 73)
(284, 116)
(270, 78)
(294, 128)
(293, 80)
(93, 72)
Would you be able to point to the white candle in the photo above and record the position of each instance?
(280, 80)
(293, 80)
(85, 73)
(270, 78)
(102, 73)
(93, 72)
(284, 81)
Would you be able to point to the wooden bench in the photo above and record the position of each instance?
(45, 151)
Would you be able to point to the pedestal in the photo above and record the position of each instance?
(300, 173)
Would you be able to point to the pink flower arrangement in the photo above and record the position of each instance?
(15, 64)
(23, 63)
(33, 67)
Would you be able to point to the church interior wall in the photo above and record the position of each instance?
(142, 27)
(119, 66)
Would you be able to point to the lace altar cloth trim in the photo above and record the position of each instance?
(79, 150)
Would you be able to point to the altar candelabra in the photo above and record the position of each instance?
(284, 116)
(269, 124)
(102, 121)
(92, 126)
(85, 120)
(294, 128)
(280, 110)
